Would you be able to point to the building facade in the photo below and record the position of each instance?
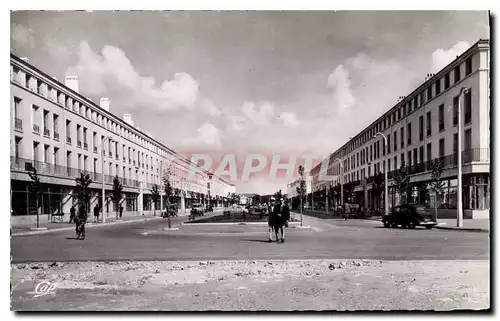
(420, 128)
(61, 133)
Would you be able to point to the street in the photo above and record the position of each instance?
(328, 264)
(353, 239)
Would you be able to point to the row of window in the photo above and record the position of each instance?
(413, 103)
(373, 151)
(418, 158)
(45, 90)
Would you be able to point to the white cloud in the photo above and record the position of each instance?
(261, 117)
(342, 94)
(112, 71)
(442, 57)
(208, 136)
(289, 119)
(21, 35)
(209, 107)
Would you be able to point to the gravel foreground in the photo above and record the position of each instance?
(254, 285)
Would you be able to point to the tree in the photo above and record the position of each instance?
(378, 184)
(402, 181)
(348, 190)
(155, 193)
(335, 192)
(278, 195)
(301, 189)
(436, 184)
(83, 191)
(116, 195)
(35, 189)
(167, 187)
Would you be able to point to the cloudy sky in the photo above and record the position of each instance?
(287, 83)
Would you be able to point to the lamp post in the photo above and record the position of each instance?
(102, 170)
(341, 182)
(460, 214)
(386, 184)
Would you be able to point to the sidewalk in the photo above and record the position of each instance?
(47, 227)
(478, 225)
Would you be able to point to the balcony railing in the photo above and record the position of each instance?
(476, 155)
(68, 140)
(18, 124)
(85, 146)
(56, 136)
(79, 143)
(36, 129)
(46, 132)
(25, 165)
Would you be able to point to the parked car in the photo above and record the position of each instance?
(198, 209)
(256, 209)
(410, 216)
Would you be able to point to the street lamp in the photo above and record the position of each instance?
(460, 214)
(386, 185)
(102, 170)
(341, 182)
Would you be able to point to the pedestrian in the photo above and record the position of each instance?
(96, 213)
(82, 219)
(285, 213)
(72, 214)
(121, 211)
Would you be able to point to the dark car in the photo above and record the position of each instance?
(198, 209)
(410, 216)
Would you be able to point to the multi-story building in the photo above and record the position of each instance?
(61, 133)
(420, 128)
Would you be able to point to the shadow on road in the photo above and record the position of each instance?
(71, 238)
(258, 241)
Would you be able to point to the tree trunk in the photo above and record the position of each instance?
(37, 214)
(436, 207)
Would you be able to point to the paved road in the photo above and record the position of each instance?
(353, 239)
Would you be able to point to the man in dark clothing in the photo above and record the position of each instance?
(285, 213)
(72, 214)
(121, 211)
(81, 220)
(96, 213)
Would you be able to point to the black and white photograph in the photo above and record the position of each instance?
(237, 160)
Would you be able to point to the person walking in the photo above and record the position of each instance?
(285, 217)
(96, 213)
(121, 211)
(72, 214)
(82, 219)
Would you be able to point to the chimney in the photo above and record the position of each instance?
(25, 59)
(128, 119)
(104, 103)
(72, 83)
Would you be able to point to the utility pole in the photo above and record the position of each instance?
(386, 184)
(460, 214)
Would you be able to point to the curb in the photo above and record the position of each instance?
(235, 223)
(477, 230)
(87, 226)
